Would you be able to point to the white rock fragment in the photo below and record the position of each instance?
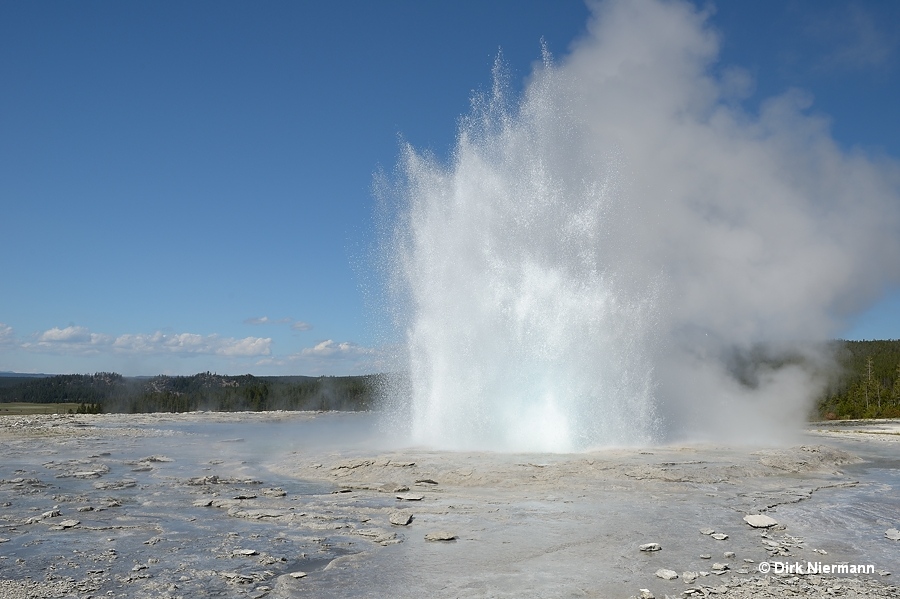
(69, 523)
(719, 567)
(646, 594)
(244, 552)
(650, 547)
(760, 520)
(400, 518)
(893, 534)
(297, 574)
(707, 531)
(156, 458)
(370, 532)
(440, 535)
(410, 497)
(666, 574)
(719, 536)
(689, 577)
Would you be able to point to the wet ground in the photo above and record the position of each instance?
(297, 505)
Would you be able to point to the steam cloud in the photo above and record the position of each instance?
(650, 238)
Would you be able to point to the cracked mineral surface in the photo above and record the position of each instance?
(289, 505)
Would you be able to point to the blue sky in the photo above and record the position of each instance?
(187, 186)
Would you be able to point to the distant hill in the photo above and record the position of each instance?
(7, 374)
(9, 379)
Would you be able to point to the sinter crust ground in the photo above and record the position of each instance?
(178, 506)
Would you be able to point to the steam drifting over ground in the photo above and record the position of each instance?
(602, 257)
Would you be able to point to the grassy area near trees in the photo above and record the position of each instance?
(18, 408)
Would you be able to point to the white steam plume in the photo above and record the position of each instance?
(628, 256)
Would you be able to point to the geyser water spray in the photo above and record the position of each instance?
(523, 332)
(598, 254)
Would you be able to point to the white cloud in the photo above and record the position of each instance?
(72, 339)
(329, 348)
(248, 346)
(79, 345)
(79, 340)
(6, 334)
(296, 325)
(191, 343)
(70, 334)
(257, 320)
(326, 357)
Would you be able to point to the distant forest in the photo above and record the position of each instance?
(111, 392)
(865, 383)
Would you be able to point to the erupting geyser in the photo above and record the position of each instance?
(523, 333)
(600, 257)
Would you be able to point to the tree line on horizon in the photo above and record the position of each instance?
(112, 393)
(864, 383)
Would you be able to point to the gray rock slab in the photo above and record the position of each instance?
(410, 497)
(760, 521)
(400, 518)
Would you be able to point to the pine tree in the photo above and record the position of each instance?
(868, 380)
(895, 392)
